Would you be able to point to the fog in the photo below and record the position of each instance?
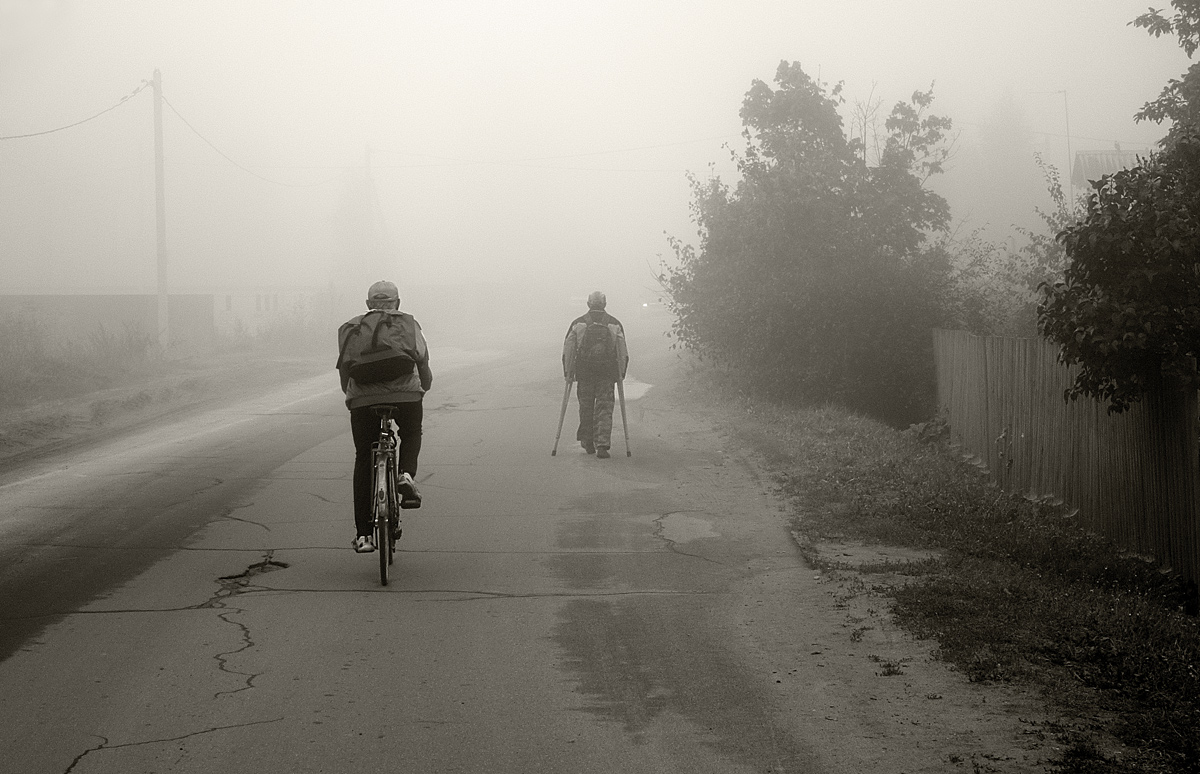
(532, 144)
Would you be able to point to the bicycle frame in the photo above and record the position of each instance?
(385, 500)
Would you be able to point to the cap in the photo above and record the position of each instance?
(383, 291)
(596, 300)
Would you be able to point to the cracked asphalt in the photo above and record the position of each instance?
(185, 599)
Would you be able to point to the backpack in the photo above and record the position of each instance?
(597, 352)
(378, 347)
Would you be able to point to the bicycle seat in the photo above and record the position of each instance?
(384, 412)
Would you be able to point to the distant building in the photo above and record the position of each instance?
(1093, 165)
(255, 311)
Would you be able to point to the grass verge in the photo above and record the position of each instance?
(59, 392)
(1017, 591)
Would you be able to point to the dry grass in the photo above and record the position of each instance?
(55, 393)
(1017, 593)
(32, 367)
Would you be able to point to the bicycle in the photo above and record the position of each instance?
(385, 498)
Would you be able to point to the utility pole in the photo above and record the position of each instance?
(1070, 158)
(164, 330)
(377, 240)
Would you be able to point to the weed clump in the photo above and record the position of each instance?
(34, 367)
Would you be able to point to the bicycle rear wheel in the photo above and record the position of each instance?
(381, 508)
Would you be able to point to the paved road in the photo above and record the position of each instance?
(185, 599)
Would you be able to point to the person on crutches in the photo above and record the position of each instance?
(596, 358)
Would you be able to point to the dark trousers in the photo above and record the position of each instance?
(364, 424)
(595, 411)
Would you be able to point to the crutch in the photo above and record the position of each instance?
(562, 414)
(624, 423)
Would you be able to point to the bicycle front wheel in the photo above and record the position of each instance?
(393, 514)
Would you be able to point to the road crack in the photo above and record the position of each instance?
(228, 514)
(232, 586)
(104, 741)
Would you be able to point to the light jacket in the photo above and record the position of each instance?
(410, 387)
(574, 340)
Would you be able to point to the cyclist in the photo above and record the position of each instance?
(404, 392)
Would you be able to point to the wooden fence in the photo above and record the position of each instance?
(1134, 477)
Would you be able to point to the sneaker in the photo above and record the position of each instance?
(587, 447)
(363, 544)
(602, 452)
(409, 496)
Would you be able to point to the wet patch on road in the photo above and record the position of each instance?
(604, 532)
(582, 571)
(648, 500)
(680, 527)
(639, 662)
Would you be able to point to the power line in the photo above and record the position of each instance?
(518, 165)
(630, 150)
(122, 101)
(527, 161)
(239, 166)
(132, 94)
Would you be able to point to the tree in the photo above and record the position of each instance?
(1179, 101)
(1128, 308)
(995, 287)
(1042, 259)
(809, 278)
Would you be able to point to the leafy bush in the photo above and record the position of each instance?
(994, 288)
(1128, 308)
(811, 278)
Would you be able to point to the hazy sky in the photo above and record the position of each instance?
(541, 142)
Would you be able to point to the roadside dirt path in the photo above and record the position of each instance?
(869, 696)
